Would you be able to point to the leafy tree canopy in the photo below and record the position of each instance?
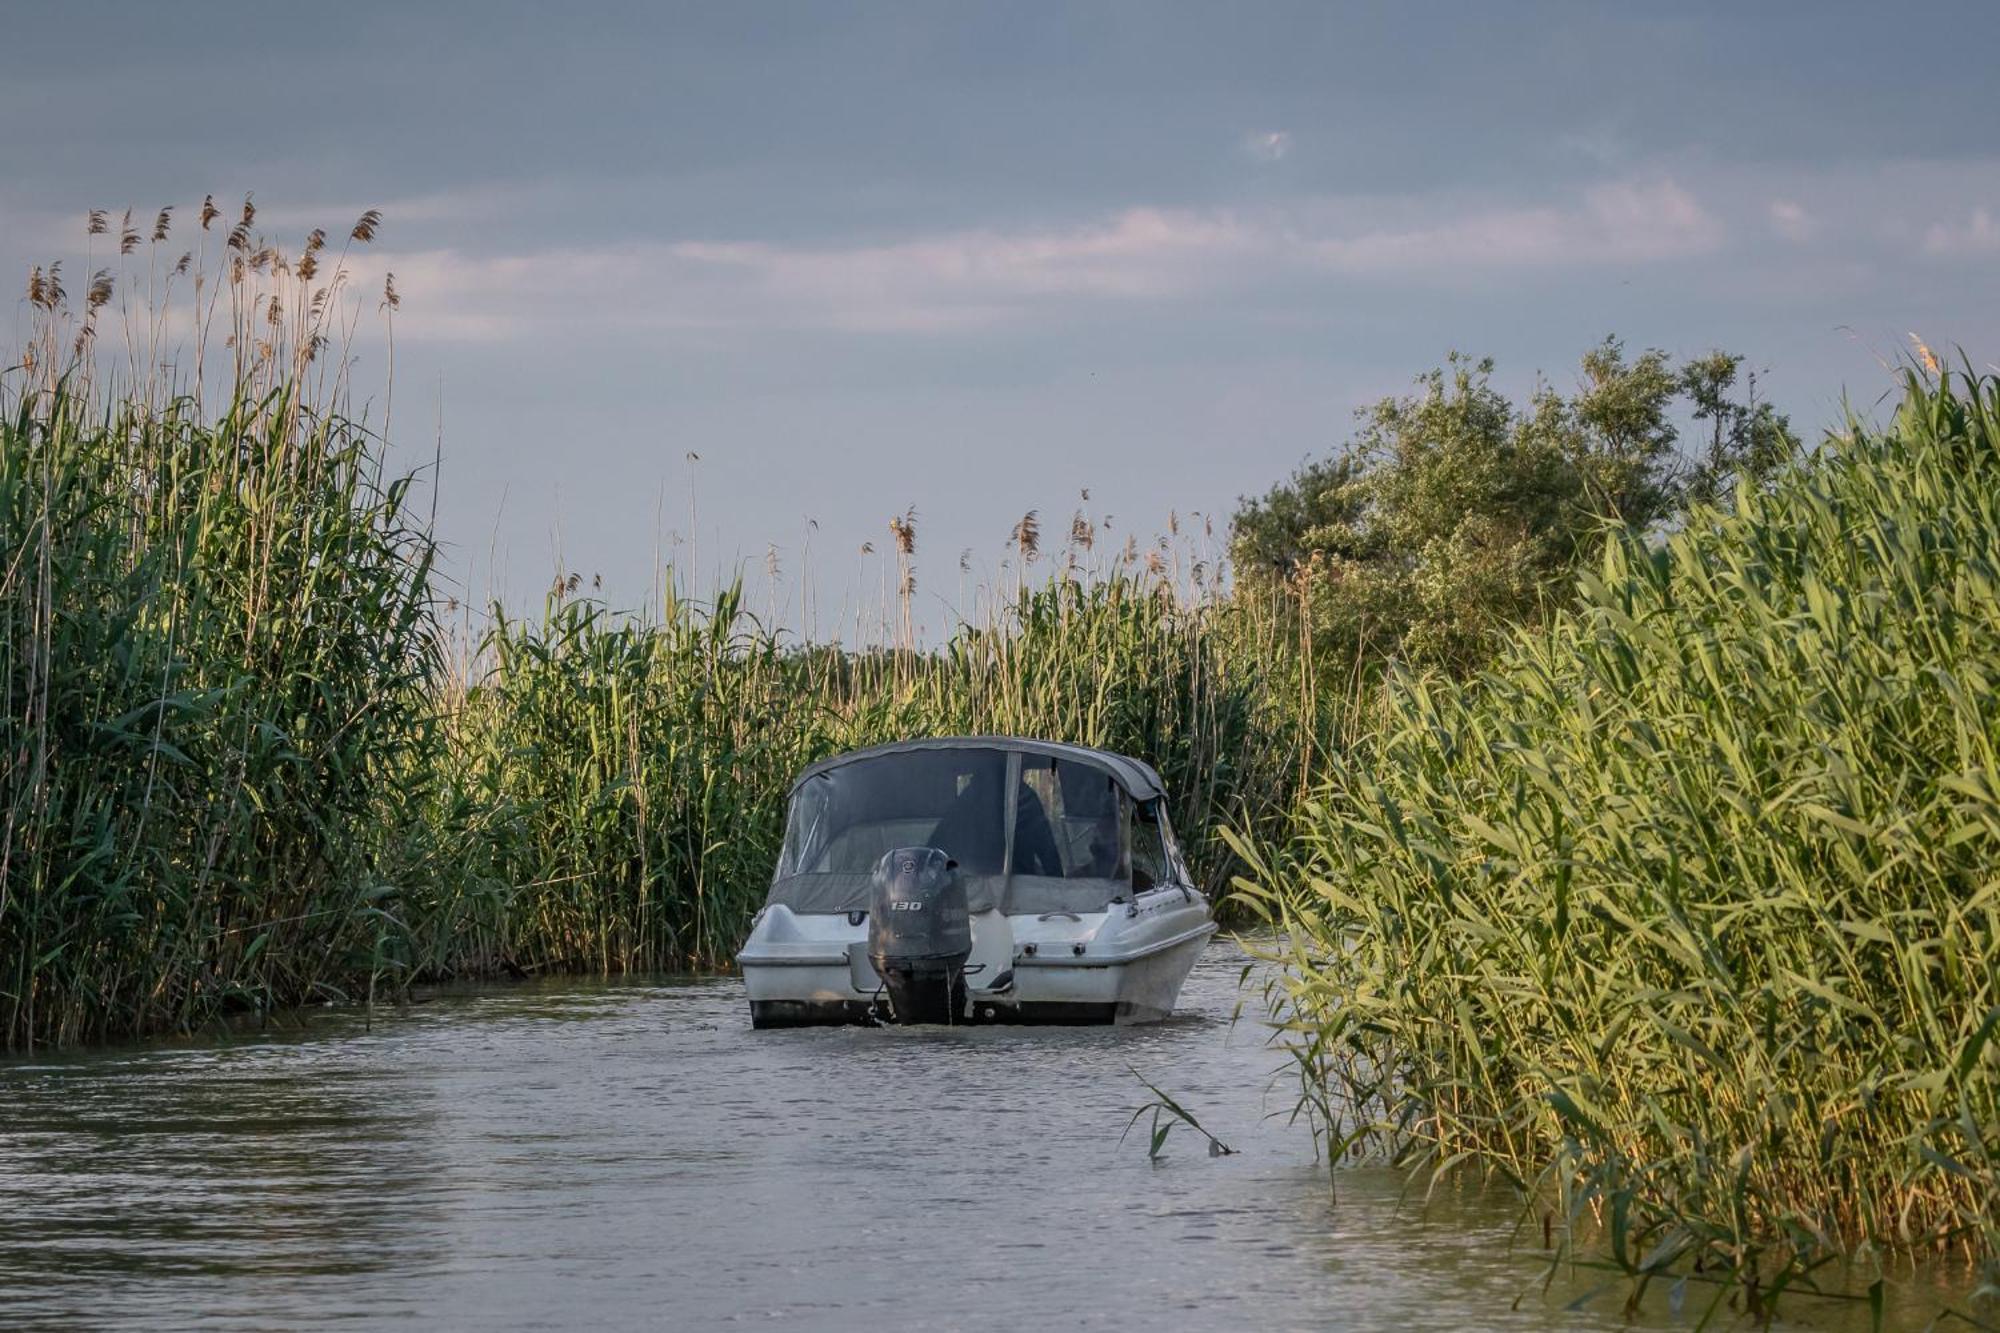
(1454, 512)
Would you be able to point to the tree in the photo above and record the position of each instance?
(1747, 441)
(1453, 514)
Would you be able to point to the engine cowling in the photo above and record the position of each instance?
(920, 934)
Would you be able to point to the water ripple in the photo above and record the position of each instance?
(632, 1155)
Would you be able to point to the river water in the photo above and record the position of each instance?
(633, 1155)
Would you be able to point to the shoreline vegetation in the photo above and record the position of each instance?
(1681, 916)
(1627, 813)
(245, 764)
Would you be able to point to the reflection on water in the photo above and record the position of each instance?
(633, 1154)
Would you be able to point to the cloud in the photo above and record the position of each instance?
(1978, 234)
(1144, 254)
(940, 283)
(1791, 221)
(1267, 145)
(458, 206)
(977, 278)
(964, 277)
(1602, 145)
(31, 229)
(1620, 222)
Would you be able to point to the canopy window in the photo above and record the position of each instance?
(1070, 821)
(1150, 864)
(844, 819)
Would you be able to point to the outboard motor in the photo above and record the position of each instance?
(920, 934)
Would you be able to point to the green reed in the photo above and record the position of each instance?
(236, 771)
(237, 774)
(615, 785)
(1682, 918)
(217, 643)
(214, 638)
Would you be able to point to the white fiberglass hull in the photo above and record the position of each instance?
(1122, 965)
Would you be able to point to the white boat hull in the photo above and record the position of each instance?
(1122, 965)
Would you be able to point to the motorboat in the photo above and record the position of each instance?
(975, 879)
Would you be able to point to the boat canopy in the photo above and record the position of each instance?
(1138, 779)
(1035, 826)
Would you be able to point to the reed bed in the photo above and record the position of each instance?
(1682, 917)
(241, 767)
(215, 647)
(616, 784)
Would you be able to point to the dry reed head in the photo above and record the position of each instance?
(904, 529)
(1027, 536)
(268, 308)
(1925, 357)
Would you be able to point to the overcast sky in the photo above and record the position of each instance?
(974, 260)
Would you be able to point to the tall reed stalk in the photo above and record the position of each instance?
(1683, 918)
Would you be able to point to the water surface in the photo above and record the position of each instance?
(623, 1155)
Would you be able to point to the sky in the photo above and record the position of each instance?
(733, 285)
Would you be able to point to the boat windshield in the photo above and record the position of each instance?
(1068, 846)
